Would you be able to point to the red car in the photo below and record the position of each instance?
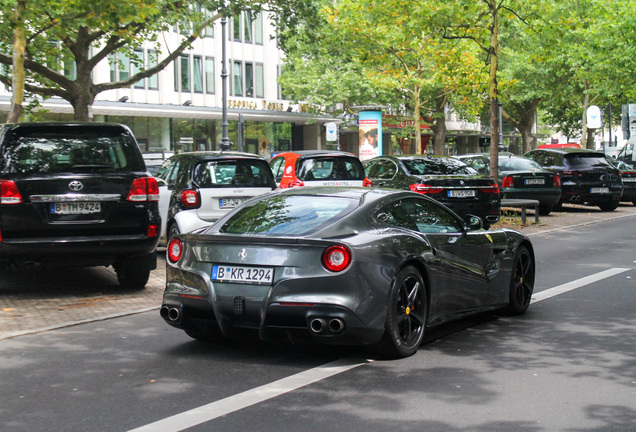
(318, 168)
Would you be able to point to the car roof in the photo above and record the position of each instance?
(345, 192)
(570, 150)
(39, 125)
(416, 156)
(210, 155)
(310, 153)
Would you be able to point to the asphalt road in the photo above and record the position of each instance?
(569, 364)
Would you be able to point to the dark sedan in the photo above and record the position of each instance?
(520, 178)
(586, 176)
(444, 179)
(343, 266)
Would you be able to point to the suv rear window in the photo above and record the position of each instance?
(73, 149)
(233, 173)
(337, 168)
(585, 160)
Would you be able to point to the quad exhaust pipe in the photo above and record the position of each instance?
(322, 326)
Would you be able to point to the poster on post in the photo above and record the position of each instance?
(370, 134)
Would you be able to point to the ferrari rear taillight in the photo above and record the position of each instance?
(336, 258)
(425, 188)
(367, 183)
(507, 182)
(9, 193)
(175, 250)
(144, 189)
(190, 198)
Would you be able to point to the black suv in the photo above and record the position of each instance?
(77, 195)
(586, 176)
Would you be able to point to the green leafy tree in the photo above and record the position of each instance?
(87, 32)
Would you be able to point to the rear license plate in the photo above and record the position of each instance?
(534, 181)
(629, 179)
(230, 202)
(76, 208)
(461, 193)
(253, 275)
(600, 190)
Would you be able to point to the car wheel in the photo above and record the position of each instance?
(609, 206)
(545, 210)
(406, 315)
(521, 282)
(173, 230)
(134, 272)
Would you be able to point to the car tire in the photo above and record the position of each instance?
(608, 206)
(134, 272)
(545, 210)
(173, 230)
(521, 282)
(406, 315)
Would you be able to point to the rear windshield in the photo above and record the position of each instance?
(437, 166)
(584, 160)
(233, 173)
(507, 163)
(331, 168)
(288, 216)
(52, 150)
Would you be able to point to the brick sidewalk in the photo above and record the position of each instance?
(36, 298)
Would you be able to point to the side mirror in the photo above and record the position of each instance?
(473, 223)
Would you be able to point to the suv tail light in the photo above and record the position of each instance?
(367, 183)
(425, 188)
(336, 258)
(190, 198)
(557, 180)
(144, 189)
(175, 250)
(572, 173)
(9, 193)
(507, 182)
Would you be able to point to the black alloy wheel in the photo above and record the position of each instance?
(406, 315)
(608, 206)
(173, 230)
(521, 282)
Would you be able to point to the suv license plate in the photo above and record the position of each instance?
(254, 275)
(601, 190)
(230, 202)
(461, 193)
(76, 208)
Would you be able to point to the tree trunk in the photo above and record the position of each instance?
(416, 121)
(19, 46)
(440, 126)
(586, 102)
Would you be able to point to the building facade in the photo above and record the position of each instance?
(180, 108)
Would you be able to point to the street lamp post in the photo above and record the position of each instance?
(225, 143)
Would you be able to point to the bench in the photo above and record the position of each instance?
(523, 204)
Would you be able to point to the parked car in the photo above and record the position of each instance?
(197, 188)
(446, 179)
(154, 160)
(520, 178)
(586, 176)
(77, 195)
(318, 168)
(628, 175)
(343, 266)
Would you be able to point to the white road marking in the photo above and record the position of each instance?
(250, 397)
(555, 291)
(211, 411)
